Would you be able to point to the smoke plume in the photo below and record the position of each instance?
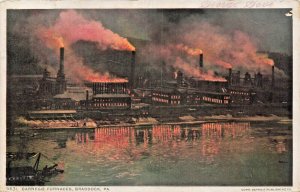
(176, 37)
(222, 49)
(71, 27)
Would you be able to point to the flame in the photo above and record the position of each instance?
(223, 64)
(269, 61)
(60, 41)
(106, 79)
(188, 50)
(264, 59)
(50, 38)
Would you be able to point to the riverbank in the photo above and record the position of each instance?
(185, 120)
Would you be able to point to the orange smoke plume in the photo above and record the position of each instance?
(189, 70)
(71, 27)
(80, 72)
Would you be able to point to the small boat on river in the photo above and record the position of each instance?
(27, 174)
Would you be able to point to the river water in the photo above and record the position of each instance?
(209, 154)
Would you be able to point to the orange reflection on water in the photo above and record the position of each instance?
(161, 132)
(219, 130)
(115, 137)
(131, 143)
(212, 133)
(82, 138)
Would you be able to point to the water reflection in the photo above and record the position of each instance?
(208, 136)
(172, 142)
(158, 154)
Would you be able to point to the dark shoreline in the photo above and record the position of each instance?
(209, 119)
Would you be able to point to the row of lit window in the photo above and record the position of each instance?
(175, 102)
(109, 104)
(175, 97)
(212, 100)
(111, 89)
(106, 100)
(160, 100)
(239, 93)
(161, 95)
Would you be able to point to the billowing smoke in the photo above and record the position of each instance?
(176, 38)
(180, 57)
(222, 49)
(71, 27)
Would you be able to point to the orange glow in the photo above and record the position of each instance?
(72, 27)
(269, 61)
(188, 50)
(189, 70)
(223, 64)
(105, 79)
(60, 42)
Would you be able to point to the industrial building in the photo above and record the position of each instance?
(50, 85)
(110, 95)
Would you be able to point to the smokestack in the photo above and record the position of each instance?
(87, 99)
(273, 76)
(61, 85)
(238, 77)
(201, 60)
(132, 70)
(61, 63)
(87, 95)
(229, 76)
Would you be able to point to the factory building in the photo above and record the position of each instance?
(187, 96)
(110, 95)
(51, 85)
(242, 95)
(73, 98)
(47, 84)
(191, 91)
(166, 96)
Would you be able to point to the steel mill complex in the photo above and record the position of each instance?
(130, 97)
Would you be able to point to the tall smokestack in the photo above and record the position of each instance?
(86, 98)
(61, 61)
(201, 60)
(273, 76)
(61, 84)
(229, 76)
(132, 70)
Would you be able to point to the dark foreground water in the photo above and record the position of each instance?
(215, 154)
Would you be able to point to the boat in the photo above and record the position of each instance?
(28, 175)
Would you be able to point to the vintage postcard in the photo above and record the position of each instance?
(140, 95)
